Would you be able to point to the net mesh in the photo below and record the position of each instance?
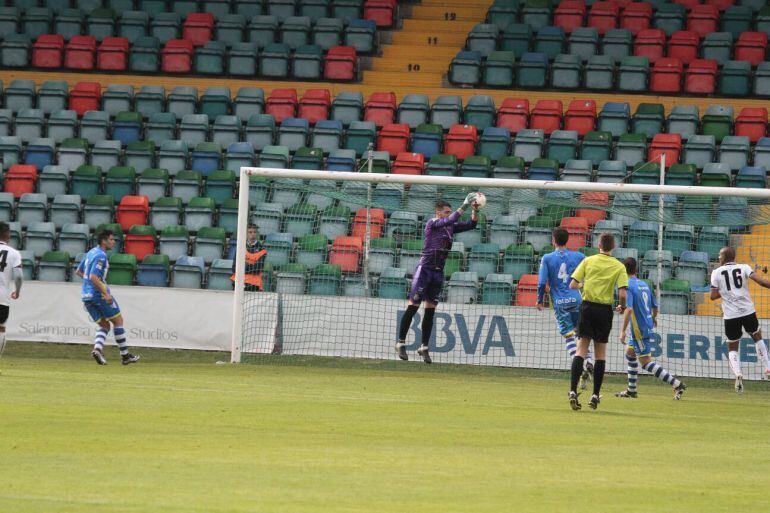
(333, 291)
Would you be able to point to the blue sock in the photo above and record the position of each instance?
(120, 338)
(101, 336)
(570, 344)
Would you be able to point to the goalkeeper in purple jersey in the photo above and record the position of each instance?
(429, 273)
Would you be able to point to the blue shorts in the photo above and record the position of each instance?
(426, 284)
(567, 318)
(643, 348)
(99, 309)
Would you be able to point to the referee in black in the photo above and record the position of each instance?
(597, 276)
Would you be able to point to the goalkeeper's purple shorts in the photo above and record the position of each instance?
(426, 284)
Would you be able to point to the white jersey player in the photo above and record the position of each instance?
(730, 281)
(10, 272)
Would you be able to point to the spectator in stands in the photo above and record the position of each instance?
(255, 261)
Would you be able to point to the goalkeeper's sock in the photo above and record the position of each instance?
(427, 325)
(735, 363)
(570, 344)
(633, 372)
(120, 338)
(99, 339)
(662, 374)
(406, 321)
(598, 376)
(577, 370)
(762, 352)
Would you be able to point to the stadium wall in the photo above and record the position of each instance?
(353, 327)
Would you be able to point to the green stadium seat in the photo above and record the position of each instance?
(274, 156)
(393, 283)
(325, 280)
(550, 41)
(711, 239)
(278, 247)
(503, 12)
(643, 236)
(173, 241)
(649, 265)
(536, 13)
(537, 232)
(584, 42)
(327, 32)
(761, 84)
(144, 55)
(462, 288)
(476, 166)
(735, 78)
(122, 269)
(681, 174)
(480, 111)
(209, 243)
(614, 118)
(54, 266)
(242, 59)
(562, 145)
(498, 70)
(15, 50)
(209, 59)
(497, 289)
(675, 297)
(669, 17)
(86, 181)
(678, 238)
(648, 119)
(308, 62)
(199, 213)
(717, 46)
(274, 61)
(100, 23)
(165, 211)
(36, 21)
(617, 44)
(263, 30)
(311, 250)
(633, 73)
(291, 279)
(334, 222)
(484, 259)
(693, 267)
(632, 149)
(699, 150)
(697, 209)
(737, 19)
(532, 70)
(359, 135)
(566, 72)
(186, 185)
(119, 182)
(517, 38)
(716, 174)
(596, 147)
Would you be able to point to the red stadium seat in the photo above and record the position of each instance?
(683, 45)
(666, 76)
(701, 76)
(592, 215)
(20, 179)
(376, 223)
(381, 12)
(132, 210)
(340, 63)
(48, 51)
(79, 53)
(547, 115)
(526, 290)
(408, 163)
(668, 144)
(636, 17)
(198, 28)
(176, 56)
(139, 245)
(580, 116)
(393, 138)
(282, 104)
(650, 43)
(577, 227)
(112, 54)
(752, 122)
(703, 19)
(603, 16)
(85, 96)
(314, 105)
(381, 109)
(346, 253)
(722, 5)
(751, 46)
(461, 141)
(569, 15)
(513, 114)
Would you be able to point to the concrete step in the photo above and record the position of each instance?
(447, 13)
(433, 28)
(453, 40)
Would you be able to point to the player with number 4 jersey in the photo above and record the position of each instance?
(556, 268)
(730, 281)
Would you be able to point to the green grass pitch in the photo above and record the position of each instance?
(177, 433)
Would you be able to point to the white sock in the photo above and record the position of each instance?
(735, 363)
(762, 352)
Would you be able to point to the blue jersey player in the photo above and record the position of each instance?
(99, 303)
(639, 320)
(429, 273)
(556, 268)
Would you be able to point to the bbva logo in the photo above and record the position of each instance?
(452, 327)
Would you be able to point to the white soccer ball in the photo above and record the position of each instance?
(480, 201)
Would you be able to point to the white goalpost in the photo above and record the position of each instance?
(477, 328)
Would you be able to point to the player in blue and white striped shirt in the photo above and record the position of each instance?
(639, 319)
(555, 271)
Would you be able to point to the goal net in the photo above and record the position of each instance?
(342, 249)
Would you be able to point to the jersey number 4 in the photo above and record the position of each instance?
(737, 278)
(563, 275)
(3, 259)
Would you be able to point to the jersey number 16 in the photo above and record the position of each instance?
(737, 278)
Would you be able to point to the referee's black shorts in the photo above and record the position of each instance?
(595, 322)
(734, 328)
